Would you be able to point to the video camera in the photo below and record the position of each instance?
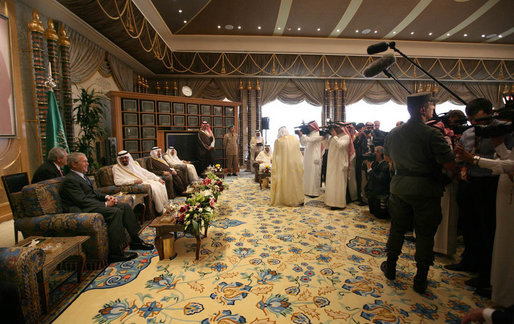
(369, 157)
(325, 130)
(304, 128)
(505, 113)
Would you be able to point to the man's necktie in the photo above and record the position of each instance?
(87, 180)
(60, 171)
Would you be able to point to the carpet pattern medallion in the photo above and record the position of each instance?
(263, 264)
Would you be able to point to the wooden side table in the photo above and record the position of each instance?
(57, 249)
(163, 226)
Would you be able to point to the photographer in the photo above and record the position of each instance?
(378, 135)
(379, 180)
(311, 158)
(360, 143)
(477, 198)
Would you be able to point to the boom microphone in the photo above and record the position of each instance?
(380, 47)
(379, 65)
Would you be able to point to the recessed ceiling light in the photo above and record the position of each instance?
(412, 33)
(229, 27)
(185, 21)
(338, 30)
(318, 29)
(429, 34)
(259, 27)
(238, 27)
(500, 36)
(219, 26)
(465, 35)
(483, 35)
(299, 28)
(394, 32)
(279, 28)
(366, 31)
(180, 11)
(376, 31)
(448, 34)
(356, 30)
(289, 28)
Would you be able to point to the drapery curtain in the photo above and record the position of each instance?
(313, 90)
(85, 57)
(270, 88)
(121, 73)
(230, 88)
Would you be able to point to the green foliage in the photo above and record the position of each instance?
(89, 111)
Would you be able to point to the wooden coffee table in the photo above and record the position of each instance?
(165, 225)
(57, 249)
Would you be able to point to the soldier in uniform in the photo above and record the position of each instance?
(417, 152)
(230, 145)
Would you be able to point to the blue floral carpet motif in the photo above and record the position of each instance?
(263, 264)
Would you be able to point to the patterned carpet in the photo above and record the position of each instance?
(261, 264)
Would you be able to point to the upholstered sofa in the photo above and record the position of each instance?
(105, 183)
(38, 211)
(19, 266)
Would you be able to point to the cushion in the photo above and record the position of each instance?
(42, 198)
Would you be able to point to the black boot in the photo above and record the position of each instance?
(420, 279)
(389, 268)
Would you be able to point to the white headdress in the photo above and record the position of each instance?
(282, 131)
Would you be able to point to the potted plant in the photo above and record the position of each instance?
(89, 111)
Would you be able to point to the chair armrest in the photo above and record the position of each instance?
(133, 189)
(20, 266)
(71, 224)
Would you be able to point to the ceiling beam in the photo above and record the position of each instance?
(283, 15)
(153, 17)
(56, 11)
(336, 46)
(346, 18)
(418, 9)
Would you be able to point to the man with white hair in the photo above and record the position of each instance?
(171, 157)
(264, 158)
(287, 171)
(52, 168)
(256, 144)
(128, 171)
(175, 180)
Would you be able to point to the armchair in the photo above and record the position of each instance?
(105, 183)
(20, 265)
(40, 207)
(14, 183)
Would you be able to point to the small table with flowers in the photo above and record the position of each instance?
(164, 225)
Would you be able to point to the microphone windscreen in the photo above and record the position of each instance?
(379, 65)
(377, 48)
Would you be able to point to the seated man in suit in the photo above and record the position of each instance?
(78, 195)
(52, 168)
(175, 179)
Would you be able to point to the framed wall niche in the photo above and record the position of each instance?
(218, 122)
(218, 132)
(229, 111)
(218, 110)
(147, 145)
(131, 132)
(179, 108)
(164, 120)
(192, 109)
(128, 104)
(192, 121)
(147, 106)
(229, 121)
(179, 120)
(148, 132)
(205, 109)
(147, 119)
(129, 119)
(163, 107)
(131, 146)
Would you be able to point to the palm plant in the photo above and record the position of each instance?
(89, 112)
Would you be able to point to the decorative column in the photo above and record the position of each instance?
(157, 87)
(241, 94)
(53, 57)
(326, 102)
(67, 102)
(249, 123)
(258, 108)
(337, 96)
(35, 36)
(343, 104)
(175, 88)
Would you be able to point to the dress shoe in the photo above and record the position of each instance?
(362, 203)
(420, 284)
(141, 246)
(484, 292)
(388, 270)
(234, 174)
(124, 256)
(459, 267)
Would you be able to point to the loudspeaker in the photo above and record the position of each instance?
(265, 123)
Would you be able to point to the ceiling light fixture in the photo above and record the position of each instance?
(376, 31)
(412, 33)
(356, 30)
(483, 35)
(394, 32)
(319, 29)
(465, 35)
(429, 34)
(448, 34)
(219, 26)
(238, 27)
(500, 36)
(279, 28)
(259, 27)
(338, 30)
(180, 11)
(185, 21)
(299, 28)
(229, 27)
(366, 31)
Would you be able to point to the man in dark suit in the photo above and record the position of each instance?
(78, 195)
(52, 168)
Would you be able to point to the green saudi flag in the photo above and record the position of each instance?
(55, 135)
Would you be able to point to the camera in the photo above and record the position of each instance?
(504, 128)
(304, 128)
(325, 130)
(369, 157)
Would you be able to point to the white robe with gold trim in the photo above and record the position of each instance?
(287, 173)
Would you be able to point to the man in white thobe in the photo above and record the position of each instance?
(312, 156)
(256, 146)
(171, 157)
(287, 171)
(127, 172)
(264, 158)
(338, 163)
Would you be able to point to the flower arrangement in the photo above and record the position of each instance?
(197, 212)
(215, 169)
(267, 169)
(214, 184)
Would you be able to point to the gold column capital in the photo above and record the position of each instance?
(343, 86)
(35, 24)
(327, 85)
(241, 86)
(249, 87)
(175, 86)
(258, 85)
(50, 32)
(336, 86)
(63, 38)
